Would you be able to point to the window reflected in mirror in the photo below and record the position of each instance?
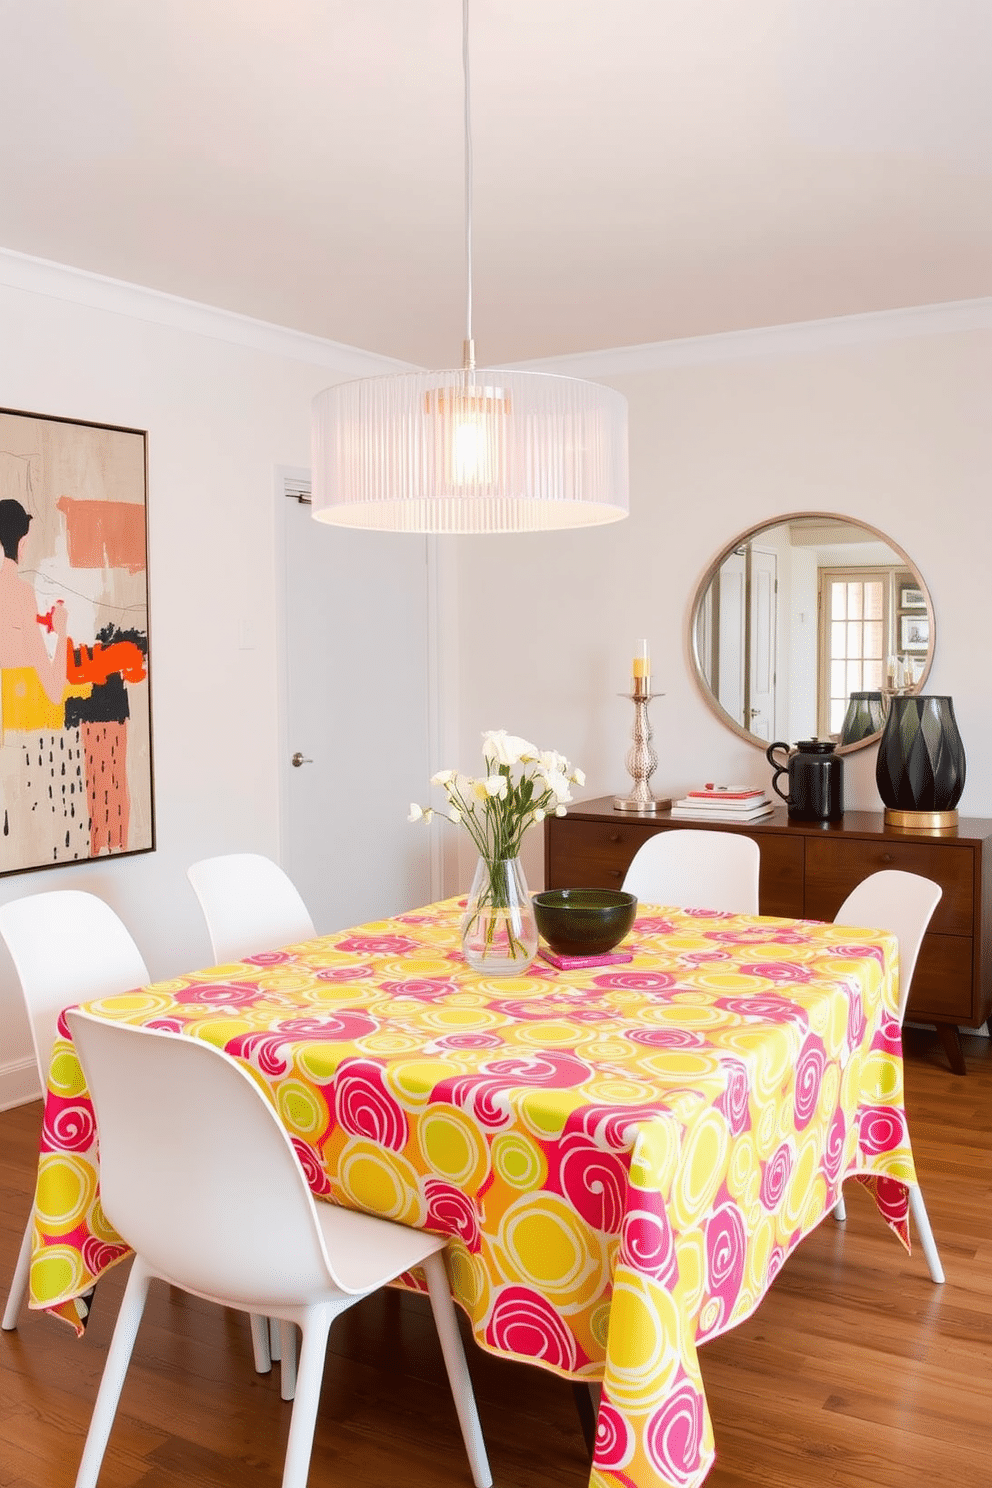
(806, 626)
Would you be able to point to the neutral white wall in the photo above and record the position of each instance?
(220, 416)
(895, 432)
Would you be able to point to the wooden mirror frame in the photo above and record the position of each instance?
(702, 588)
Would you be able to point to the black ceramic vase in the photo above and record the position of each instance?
(920, 767)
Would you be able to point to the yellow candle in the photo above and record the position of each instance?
(642, 670)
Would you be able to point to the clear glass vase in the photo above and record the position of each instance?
(499, 931)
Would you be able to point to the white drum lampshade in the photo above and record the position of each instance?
(469, 451)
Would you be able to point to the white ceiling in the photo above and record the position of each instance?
(644, 169)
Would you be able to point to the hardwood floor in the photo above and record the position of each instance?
(856, 1371)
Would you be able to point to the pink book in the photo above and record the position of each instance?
(726, 793)
(576, 963)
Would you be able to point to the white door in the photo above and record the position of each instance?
(357, 697)
(764, 612)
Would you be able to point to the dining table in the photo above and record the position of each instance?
(623, 1155)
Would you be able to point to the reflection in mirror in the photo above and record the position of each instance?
(803, 628)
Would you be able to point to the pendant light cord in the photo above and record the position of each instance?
(469, 346)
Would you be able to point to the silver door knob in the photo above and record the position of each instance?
(300, 759)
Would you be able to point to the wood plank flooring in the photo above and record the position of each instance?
(856, 1371)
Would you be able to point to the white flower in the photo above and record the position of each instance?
(417, 813)
(551, 760)
(501, 748)
(560, 811)
(454, 814)
(443, 777)
(558, 783)
(495, 786)
(578, 777)
(539, 815)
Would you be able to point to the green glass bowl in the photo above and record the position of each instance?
(584, 922)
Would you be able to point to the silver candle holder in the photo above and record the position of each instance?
(641, 759)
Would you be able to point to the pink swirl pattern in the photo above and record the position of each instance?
(452, 1213)
(268, 958)
(764, 1007)
(809, 1074)
(365, 1108)
(312, 1167)
(608, 1126)
(350, 973)
(636, 981)
(778, 971)
(614, 1439)
(469, 1041)
(726, 1252)
(860, 951)
(674, 1436)
(593, 1181)
(521, 1322)
(266, 1051)
(487, 1101)
(776, 1174)
(648, 1245)
(421, 989)
(665, 1038)
(882, 1128)
(557, 1070)
(346, 1025)
(99, 1255)
(735, 1102)
(377, 945)
(68, 1125)
(833, 1151)
(221, 994)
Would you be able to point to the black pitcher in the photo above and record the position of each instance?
(816, 779)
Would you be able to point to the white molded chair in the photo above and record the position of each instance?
(249, 905)
(904, 904)
(697, 869)
(211, 1196)
(66, 946)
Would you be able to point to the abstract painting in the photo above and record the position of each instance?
(75, 713)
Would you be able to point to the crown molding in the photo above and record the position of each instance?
(80, 287)
(768, 341)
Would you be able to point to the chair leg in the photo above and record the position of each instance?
(19, 1285)
(304, 1418)
(922, 1219)
(457, 1366)
(260, 1342)
(275, 1345)
(287, 1352)
(840, 1211)
(112, 1382)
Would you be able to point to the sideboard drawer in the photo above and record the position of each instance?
(942, 981)
(591, 855)
(835, 865)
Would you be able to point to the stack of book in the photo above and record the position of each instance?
(724, 803)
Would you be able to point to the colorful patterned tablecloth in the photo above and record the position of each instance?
(623, 1156)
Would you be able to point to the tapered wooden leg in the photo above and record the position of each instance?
(586, 1413)
(951, 1040)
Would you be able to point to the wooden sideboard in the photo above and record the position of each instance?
(807, 871)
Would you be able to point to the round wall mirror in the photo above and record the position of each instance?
(805, 626)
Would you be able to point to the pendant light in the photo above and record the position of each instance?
(469, 450)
